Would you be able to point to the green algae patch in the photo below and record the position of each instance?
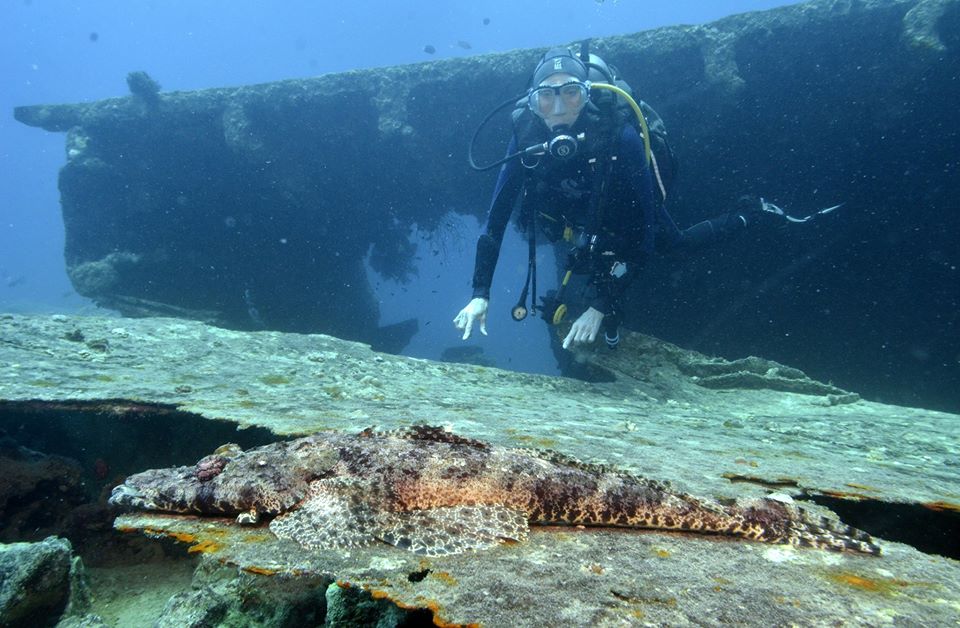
(276, 380)
(98, 377)
(44, 383)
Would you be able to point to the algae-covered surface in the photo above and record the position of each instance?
(715, 428)
(592, 577)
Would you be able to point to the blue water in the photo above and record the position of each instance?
(70, 51)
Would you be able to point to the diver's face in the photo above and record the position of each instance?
(559, 99)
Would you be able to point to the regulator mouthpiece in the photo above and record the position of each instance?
(563, 146)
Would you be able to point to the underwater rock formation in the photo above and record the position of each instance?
(41, 583)
(255, 207)
(38, 492)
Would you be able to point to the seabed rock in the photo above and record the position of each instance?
(222, 595)
(41, 583)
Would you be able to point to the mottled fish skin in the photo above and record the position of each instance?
(270, 480)
(372, 480)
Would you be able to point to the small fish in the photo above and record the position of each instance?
(13, 282)
(433, 492)
(252, 310)
(429, 49)
(464, 44)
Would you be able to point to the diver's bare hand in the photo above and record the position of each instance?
(476, 310)
(585, 328)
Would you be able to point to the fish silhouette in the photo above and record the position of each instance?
(436, 493)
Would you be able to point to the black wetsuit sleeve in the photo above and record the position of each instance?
(509, 184)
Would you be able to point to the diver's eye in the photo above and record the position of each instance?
(544, 94)
(571, 92)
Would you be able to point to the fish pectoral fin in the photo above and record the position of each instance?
(329, 518)
(452, 529)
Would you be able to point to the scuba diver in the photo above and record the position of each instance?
(592, 169)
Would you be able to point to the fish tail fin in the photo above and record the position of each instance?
(778, 520)
(825, 533)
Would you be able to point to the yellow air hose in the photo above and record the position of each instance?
(561, 310)
(636, 109)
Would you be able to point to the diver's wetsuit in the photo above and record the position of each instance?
(633, 222)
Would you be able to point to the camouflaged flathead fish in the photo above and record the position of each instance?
(434, 493)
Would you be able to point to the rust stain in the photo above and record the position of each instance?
(256, 538)
(183, 537)
(737, 477)
(845, 495)
(261, 571)
(432, 605)
(883, 586)
(942, 506)
(444, 577)
(377, 594)
(205, 547)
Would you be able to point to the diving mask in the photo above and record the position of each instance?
(557, 100)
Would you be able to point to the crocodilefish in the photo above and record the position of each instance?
(433, 492)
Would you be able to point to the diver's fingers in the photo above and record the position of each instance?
(483, 324)
(580, 333)
(463, 321)
(566, 341)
